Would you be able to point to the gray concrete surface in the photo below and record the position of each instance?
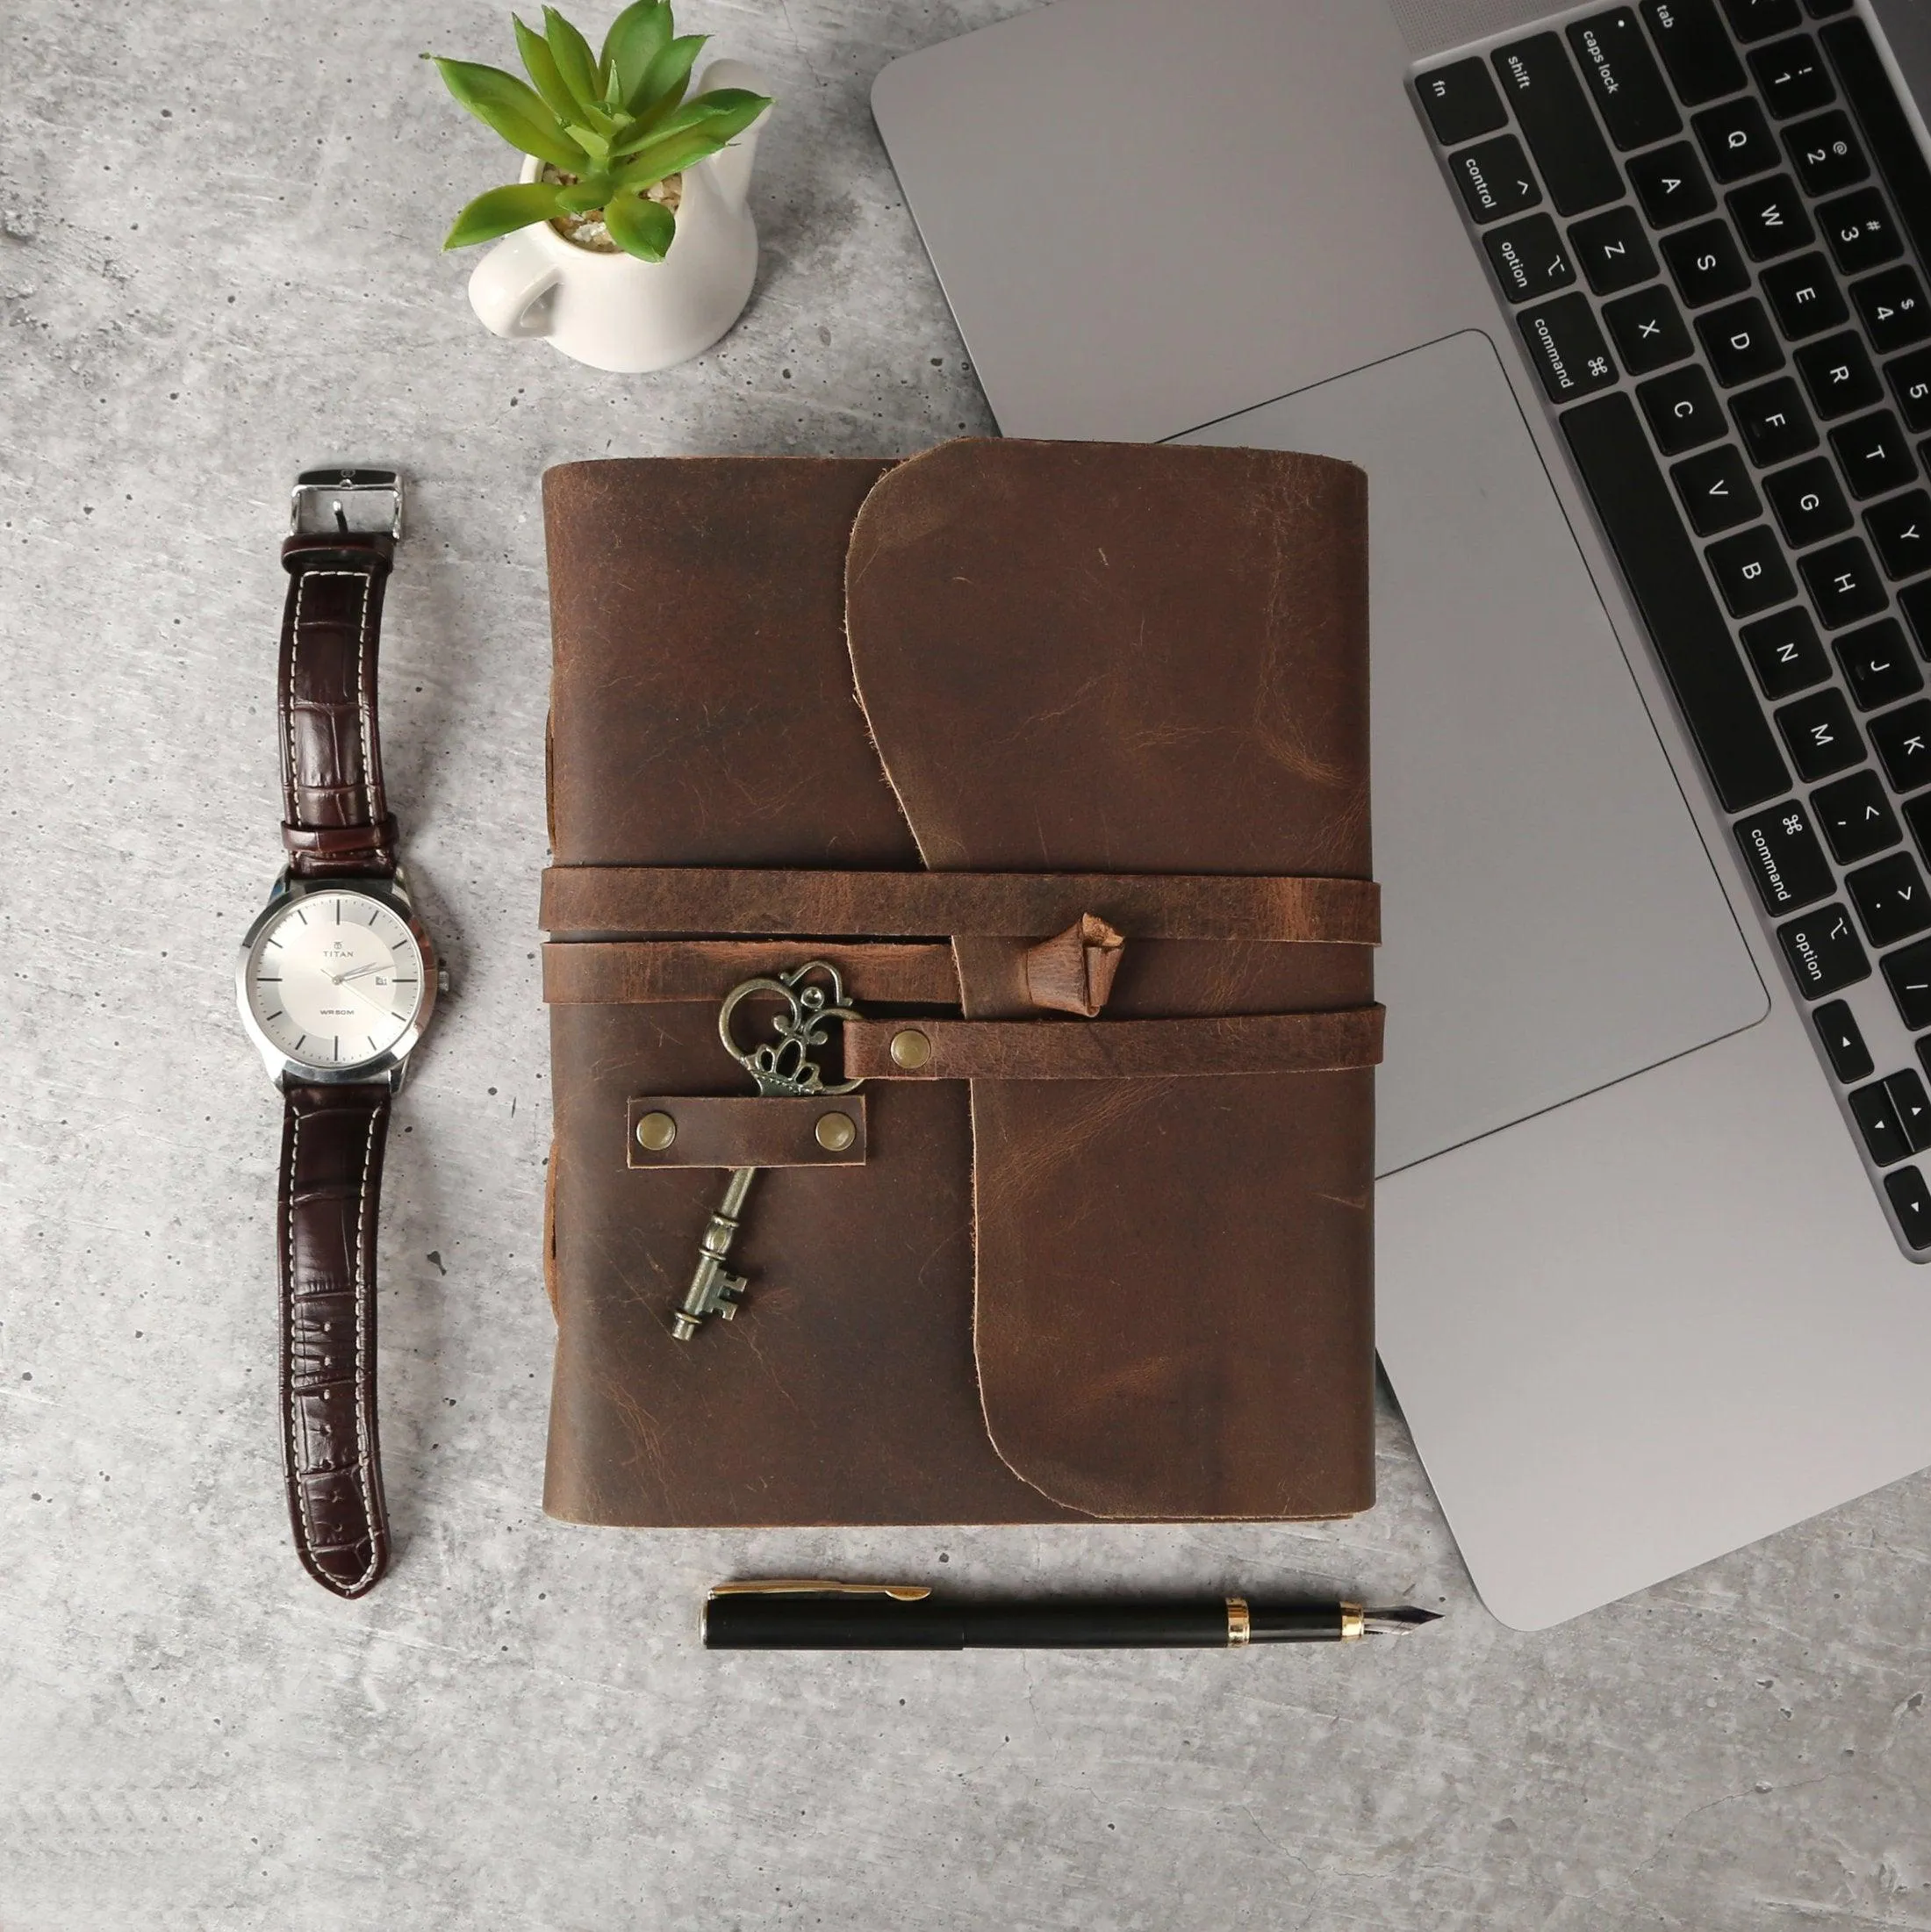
(217, 258)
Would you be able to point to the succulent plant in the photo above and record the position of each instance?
(614, 125)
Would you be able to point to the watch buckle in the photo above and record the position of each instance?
(342, 501)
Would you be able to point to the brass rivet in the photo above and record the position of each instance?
(835, 1132)
(910, 1049)
(656, 1132)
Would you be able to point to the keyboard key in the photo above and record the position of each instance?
(1538, 82)
(1809, 502)
(1874, 453)
(1770, 218)
(1893, 308)
(1892, 901)
(1671, 186)
(1804, 296)
(1843, 1041)
(1903, 740)
(1705, 263)
(1878, 666)
(1753, 19)
(1910, 379)
(1825, 954)
(1821, 734)
(1494, 178)
(1740, 343)
(1914, 603)
(1782, 855)
(1683, 410)
(1567, 348)
(1716, 491)
(1824, 154)
(1750, 572)
(1910, 1197)
(1614, 250)
(1791, 76)
(1877, 1117)
(1888, 131)
(1843, 582)
(1659, 564)
(1839, 374)
(1860, 231)
(1647, 329)
(1620, 75)
(1908, 974)
(1822, 10)
(1900, 531)
(1912, 1107)
(1736, 139)
(1461, 102)
(1785, 653)
(1917, 816)
(1529, 258)
(1703, 65)
(1773, 422)
(1856, 818)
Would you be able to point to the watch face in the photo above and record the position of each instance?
(335, 979)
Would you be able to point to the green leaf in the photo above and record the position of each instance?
(502, 102)
(665, 79)
(502, 209)
(640, 228)
(590, 193)
(724, 110)
(635, 37)
(670, 153)
(542, 70)
(594, 144)
(573, 58)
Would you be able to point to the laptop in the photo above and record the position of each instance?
(1625, 311)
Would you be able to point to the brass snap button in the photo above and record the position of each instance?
(910, 1049)
(835, 1132)
(656, 1132)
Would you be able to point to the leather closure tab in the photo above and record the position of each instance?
(1216, 1044)
(664, 901)
(745, 1131)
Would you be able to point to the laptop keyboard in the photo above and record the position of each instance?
(1710, 219)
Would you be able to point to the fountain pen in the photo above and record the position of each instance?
(795, 1613)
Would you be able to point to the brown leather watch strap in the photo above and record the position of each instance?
(335, 819)
(661, 901)
(332, 1148)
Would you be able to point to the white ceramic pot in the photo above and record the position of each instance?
(614, 312)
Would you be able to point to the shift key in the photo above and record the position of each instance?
(1567, 348)
(1554, 113)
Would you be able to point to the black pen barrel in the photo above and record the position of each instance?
(780, 1620)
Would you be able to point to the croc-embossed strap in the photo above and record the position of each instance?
(332, 1149)
(335, 819)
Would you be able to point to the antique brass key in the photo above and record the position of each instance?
(811, 994)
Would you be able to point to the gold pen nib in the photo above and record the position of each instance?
(1392, 1623)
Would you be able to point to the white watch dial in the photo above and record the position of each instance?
(335, 979)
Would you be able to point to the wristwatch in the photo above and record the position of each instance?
(337, 979)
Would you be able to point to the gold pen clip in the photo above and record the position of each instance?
(819, 1586)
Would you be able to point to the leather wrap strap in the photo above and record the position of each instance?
(332, 1149)
(584, 902)
(663, 972)
(1252, 1043)
(335, 819)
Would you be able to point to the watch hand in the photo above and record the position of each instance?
(361, 992)
(355, 972)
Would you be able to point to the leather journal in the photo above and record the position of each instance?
(1055, 756)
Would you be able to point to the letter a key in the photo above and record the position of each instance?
(811, 994)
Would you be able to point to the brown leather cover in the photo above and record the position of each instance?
(1063, 659)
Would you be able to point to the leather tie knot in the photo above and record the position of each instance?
(1072, 972)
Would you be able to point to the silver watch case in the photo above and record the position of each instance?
(389, 1066)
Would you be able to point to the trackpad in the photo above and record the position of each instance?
(1552, 922)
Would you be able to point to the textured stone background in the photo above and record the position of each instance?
(219, 259)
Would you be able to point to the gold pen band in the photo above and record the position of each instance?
(1353, 1623)
(1240, 1624)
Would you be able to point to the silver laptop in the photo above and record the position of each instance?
(1624, 311)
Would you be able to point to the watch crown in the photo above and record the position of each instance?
(442, 979)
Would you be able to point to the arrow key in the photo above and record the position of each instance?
(1876, 1119)
(1911, 1107)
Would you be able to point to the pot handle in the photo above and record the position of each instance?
(731, 166)
(510, 282)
